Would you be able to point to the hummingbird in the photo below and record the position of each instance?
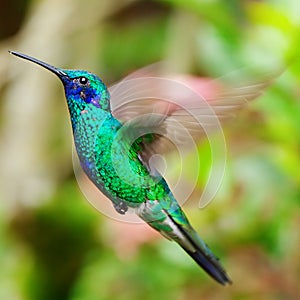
(113, 154)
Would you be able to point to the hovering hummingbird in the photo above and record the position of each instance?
(114, 152)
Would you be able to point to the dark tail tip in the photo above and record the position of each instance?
(211, 266)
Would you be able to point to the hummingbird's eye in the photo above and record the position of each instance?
(83, 80)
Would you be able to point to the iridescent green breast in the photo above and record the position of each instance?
(112, 162)
(120, 168)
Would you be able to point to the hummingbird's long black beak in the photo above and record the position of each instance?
(54, 70)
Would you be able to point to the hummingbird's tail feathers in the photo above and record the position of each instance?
(215, 270)
(172, 223)
(202, 255)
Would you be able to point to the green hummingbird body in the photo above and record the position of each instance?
(112, 161)
(106, 158)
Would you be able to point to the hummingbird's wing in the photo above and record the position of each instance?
(178, 111)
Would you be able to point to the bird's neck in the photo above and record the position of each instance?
(79, 112)
(94, 130)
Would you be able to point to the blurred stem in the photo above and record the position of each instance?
(181, 47)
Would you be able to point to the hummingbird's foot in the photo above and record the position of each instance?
(121, 208)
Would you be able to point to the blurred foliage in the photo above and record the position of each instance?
(58, 247)
(16, 10)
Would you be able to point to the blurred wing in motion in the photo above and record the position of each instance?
(178, 110)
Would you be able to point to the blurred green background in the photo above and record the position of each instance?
(54, 245)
